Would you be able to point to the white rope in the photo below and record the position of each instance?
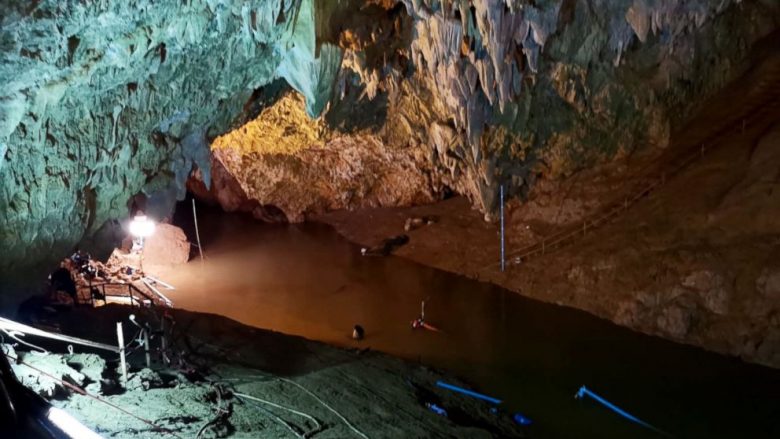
(15, 336)
(273, 404)
(280, 420)
(351, 427)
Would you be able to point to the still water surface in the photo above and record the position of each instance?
(309, 281)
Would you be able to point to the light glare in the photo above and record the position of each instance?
(69, 425)
(141, 227)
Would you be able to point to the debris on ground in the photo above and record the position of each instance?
(415, 222)
(386, 247)
(214, 378)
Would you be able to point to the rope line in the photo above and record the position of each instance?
(273, 404)
(279, 406)
(324, 404)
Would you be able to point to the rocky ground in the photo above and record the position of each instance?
(230, 380)
(695, 261)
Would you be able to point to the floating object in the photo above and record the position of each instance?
(358, 332)
(468, 392)
(436, 409)
(520, 419)
(584, 391)
(420, 324)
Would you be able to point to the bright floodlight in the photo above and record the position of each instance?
(69, 425)
(141, 226)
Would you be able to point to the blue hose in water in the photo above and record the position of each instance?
(584, 391)
(468, 392)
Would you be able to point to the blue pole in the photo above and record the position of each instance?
(501, 201)
(584, 391)
(468, 392)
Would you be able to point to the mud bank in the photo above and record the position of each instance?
(221, 372)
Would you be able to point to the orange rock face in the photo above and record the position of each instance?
(283, 164)
(167, 246)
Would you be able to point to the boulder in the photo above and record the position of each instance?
(166, 247)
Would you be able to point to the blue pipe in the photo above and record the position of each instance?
(468, 392)
(584, 391)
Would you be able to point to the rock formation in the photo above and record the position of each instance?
(297, 166)
(103, 100)
(490, 92)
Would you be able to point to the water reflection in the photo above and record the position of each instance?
(307, 280)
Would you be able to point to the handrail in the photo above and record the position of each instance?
(131, 288)
(10, 325)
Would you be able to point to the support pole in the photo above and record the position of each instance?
(197, 233)
(120, 336)
(163, 343)
(501, 201)
(146, 349)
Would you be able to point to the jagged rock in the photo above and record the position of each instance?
(298, 166)
(711, 288)
(100, 101)
(675, 321)
(103, 100)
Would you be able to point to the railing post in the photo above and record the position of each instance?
(163, 343)
(146, 349)
(123, 363)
